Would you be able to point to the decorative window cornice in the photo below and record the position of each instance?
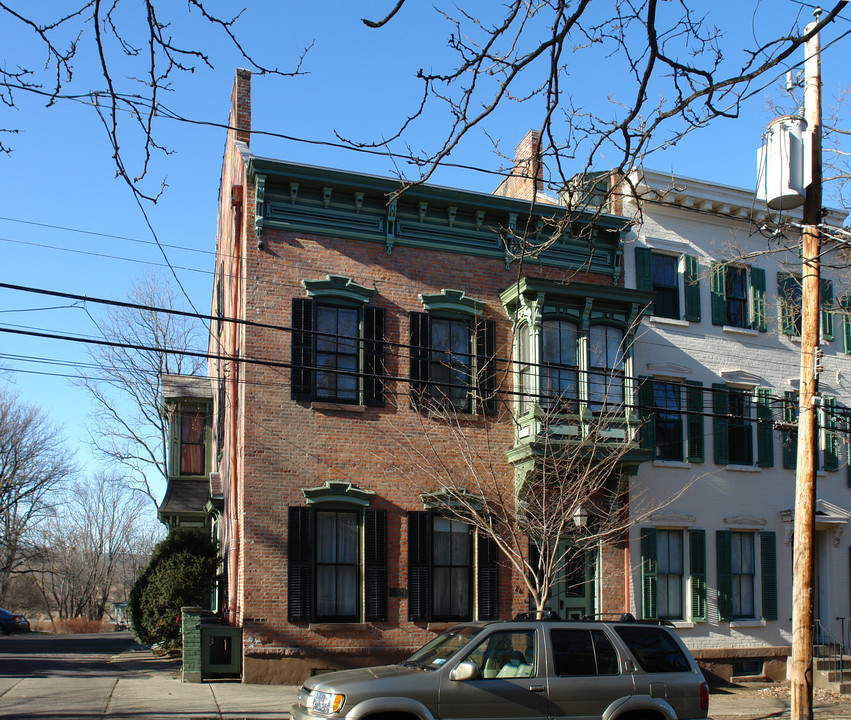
(338, 491)
(456, 301)
(744, 522)
(338, 287)
(444, 499)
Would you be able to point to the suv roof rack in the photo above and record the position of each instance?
(533, 615)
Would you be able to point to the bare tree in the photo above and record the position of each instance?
(675, 75)
(34, 463)
(140, 48)
(128, 427)
(92, 547)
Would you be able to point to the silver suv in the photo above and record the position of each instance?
(523, 669)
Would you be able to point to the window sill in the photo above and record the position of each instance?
(743, 468)
(674, 322)
(747, 623)
(671, 464)
(337, 407)
(333, 626)
(740, 331)
(682, 624)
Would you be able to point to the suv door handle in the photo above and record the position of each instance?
(537, 688)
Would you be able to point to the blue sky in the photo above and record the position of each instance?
(66, 222)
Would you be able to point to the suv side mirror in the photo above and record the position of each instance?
(467, 670)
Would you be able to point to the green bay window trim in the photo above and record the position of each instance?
(452, 363)
(845, 312)
(661, 589)
(441, 570)
(662, 417)
(789, 303)
(736, 568)
(330, 576)
(188, 437)
(659, 273)
(738, 296)
(337, 353)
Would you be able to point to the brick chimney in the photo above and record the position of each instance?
(527, 177)
(240, 106)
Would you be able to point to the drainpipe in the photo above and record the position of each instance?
(233, 513)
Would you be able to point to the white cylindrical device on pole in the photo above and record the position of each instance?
(781, 176)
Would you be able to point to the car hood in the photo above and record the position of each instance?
(345, 681)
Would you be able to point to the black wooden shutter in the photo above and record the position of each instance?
(647, 414)
(768, 567)
(419, 569)
(643, 268)
(721, 422)
(691, 289)
(718, 294)
(301, 372)
(694, 420)
(764, 428)
(724, 565)
(375, 565)
(648, 573)
(758, 322)
(697, 573)
(488, 578)
(373, 357)
(300, 564)
(486, 366)
(419, 353)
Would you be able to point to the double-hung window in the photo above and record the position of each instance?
(337, 344)
(790, 299)
(672, 571)
(672, 419)
(606, 368)
(336, 555)
(674, 280)
(452, 364)
(669, 579)
(738, 413)
(192, 443)
(448, 567)
(747, 574)
(738, 296)
(559, 367)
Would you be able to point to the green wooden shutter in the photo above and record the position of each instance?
(647, 414)
(697, 574)
(758, 299)
(373, 357)
(303, 339)
(487, 574)
(845, 305)
(826, 307)
(785, 286)
(419, 355)
(724, 563)
(643, 268)
(419, 566)
(375, 565)
(648, 573)
(691, 289)
(718, 294)
(790, 437)
(299, 564)
(721, 423)
(768, 565)
(694, 420)
(764, 429)
(486, 366)
(831, 446)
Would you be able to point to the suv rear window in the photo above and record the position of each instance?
(654, 649)
(583, 652)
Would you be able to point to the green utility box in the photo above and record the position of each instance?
(211, 649)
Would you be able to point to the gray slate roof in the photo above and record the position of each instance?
(176, 387)
(185, 496)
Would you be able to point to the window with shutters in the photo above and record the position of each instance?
(337, 563)
(672, 416)
(738, 414)
(337, 345)
(449, 566)
(452, 363)
(673, 574)
(738, 296)
(741, 561)
(790, 304)
(674, 280)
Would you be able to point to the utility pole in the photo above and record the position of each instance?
(805, 487)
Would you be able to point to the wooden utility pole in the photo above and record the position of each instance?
(805, 487)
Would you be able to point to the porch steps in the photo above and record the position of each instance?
(833, 674)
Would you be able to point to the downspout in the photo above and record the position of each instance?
(233, 558)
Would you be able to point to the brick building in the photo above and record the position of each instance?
(375, 334)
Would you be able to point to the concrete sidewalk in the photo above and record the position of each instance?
(764, 701)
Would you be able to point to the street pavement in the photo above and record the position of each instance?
(108, 677)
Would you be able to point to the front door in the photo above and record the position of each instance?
(573, 595)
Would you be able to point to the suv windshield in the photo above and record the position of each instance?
(433, 654)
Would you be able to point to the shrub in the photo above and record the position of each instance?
(181, 571)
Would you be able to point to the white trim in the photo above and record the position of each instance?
(747, 623)
(682, 624)
(743, 468)
(744, 523)
(671, 464)
(739, 331)
(659, 320)
(672, 520)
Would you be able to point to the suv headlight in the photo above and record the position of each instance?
(326, 703)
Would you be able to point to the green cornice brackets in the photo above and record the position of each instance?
(617, 260)
(338, 287)
(259, 200)
(338, 492)
(454, 499)
(391, 225)
(455, 301)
